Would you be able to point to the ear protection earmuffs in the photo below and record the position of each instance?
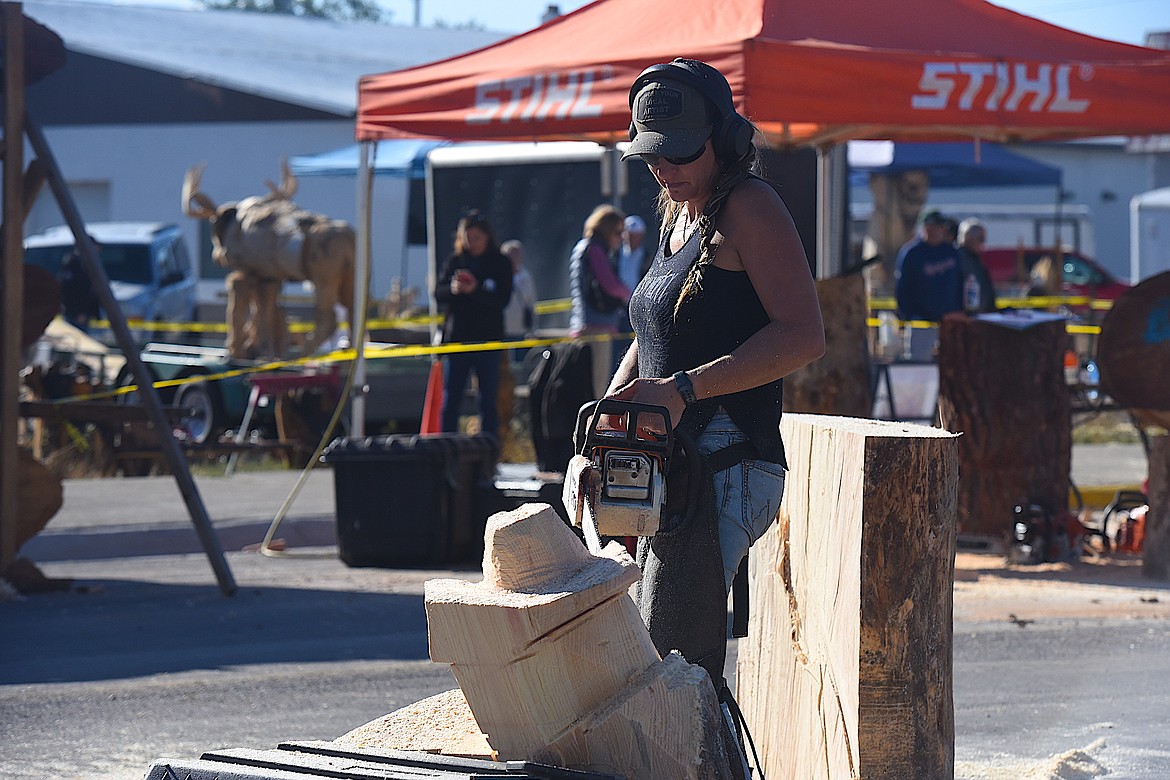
(731, 135)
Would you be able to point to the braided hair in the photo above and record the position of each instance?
(731, 174)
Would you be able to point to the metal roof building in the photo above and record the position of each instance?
(129, 64)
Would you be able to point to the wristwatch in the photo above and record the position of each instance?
(685, 388)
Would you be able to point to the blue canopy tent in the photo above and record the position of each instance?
(950, 165)
(405, 158)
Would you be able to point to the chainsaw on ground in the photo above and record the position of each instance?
(616, 483)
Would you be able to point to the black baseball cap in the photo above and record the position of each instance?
(934, 217)
(671, 119)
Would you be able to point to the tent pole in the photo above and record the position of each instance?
(361, 286)
(831, 196)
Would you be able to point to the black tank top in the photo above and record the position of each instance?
(711, 323)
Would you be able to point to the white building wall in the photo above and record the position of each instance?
(135, 172)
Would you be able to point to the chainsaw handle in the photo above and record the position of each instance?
(590, 413)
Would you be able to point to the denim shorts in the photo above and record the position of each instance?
(747, 495)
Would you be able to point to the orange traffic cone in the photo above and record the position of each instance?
(432, 421)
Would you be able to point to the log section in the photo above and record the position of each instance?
(846, 669)
(838, 383)
(1004, 390)
(1156, 552)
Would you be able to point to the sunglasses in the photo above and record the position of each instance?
(654, 160)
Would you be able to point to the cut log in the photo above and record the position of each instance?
(838, 383)
(1156, 549)
(1004, 390)
(556, 665)
(846, 669)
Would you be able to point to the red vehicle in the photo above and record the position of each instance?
(1010, 270)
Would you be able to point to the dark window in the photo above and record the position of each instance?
(123, 262)
(416, 213)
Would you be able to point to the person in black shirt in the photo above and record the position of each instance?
(474, 288)
(726, 310)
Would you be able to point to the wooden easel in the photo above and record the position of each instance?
(19, 191)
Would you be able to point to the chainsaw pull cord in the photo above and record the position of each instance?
(741, 729)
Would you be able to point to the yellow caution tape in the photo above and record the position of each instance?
(348, 355)
(1032, 302)
(553, 306)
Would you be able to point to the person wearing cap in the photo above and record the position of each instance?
(928, 281)
(634, 260)
(726, 310)
(632, 267)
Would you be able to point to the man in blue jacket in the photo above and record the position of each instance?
(928, 280)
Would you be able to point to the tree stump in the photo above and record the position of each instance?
(1156, 552)
(846, 669)
(838, 383)
(1004, 390)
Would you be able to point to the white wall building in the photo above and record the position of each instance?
(147, 92)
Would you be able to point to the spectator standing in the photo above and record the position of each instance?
(519, 322)
(978, 292)
(631, 268)
(79, 302)
(634, 260)
(927, 280)
(598, 296)
(520, 313)
(473, 289)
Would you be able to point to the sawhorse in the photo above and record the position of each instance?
(273, 384)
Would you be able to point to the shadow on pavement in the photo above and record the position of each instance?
(111, 629)
(1116, 569)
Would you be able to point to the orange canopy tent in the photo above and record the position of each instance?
(805, 71)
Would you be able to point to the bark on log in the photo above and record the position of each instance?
(1004, 390)
(1136, 332)
(1156, 552)
(846, 669)
(838, 383)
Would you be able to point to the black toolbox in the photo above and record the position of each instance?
(411, 500)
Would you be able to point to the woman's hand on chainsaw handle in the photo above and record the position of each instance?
(626, 385)
(656, 392)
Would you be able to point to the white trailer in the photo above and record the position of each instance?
(1149, 237)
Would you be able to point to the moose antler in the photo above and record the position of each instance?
(288, 183)
(191, 193)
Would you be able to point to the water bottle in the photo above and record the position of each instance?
(971, 296)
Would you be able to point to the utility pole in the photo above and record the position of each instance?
(418, 13)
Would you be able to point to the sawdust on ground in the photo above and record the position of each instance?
(1107, 586)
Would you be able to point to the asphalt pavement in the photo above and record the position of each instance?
(93, 685)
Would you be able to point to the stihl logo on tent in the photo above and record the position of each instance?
(526, 98)
(995, 86)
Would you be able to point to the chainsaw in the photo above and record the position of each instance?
(615, 484)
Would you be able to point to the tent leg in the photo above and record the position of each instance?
(832, 202)
(361, 286)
